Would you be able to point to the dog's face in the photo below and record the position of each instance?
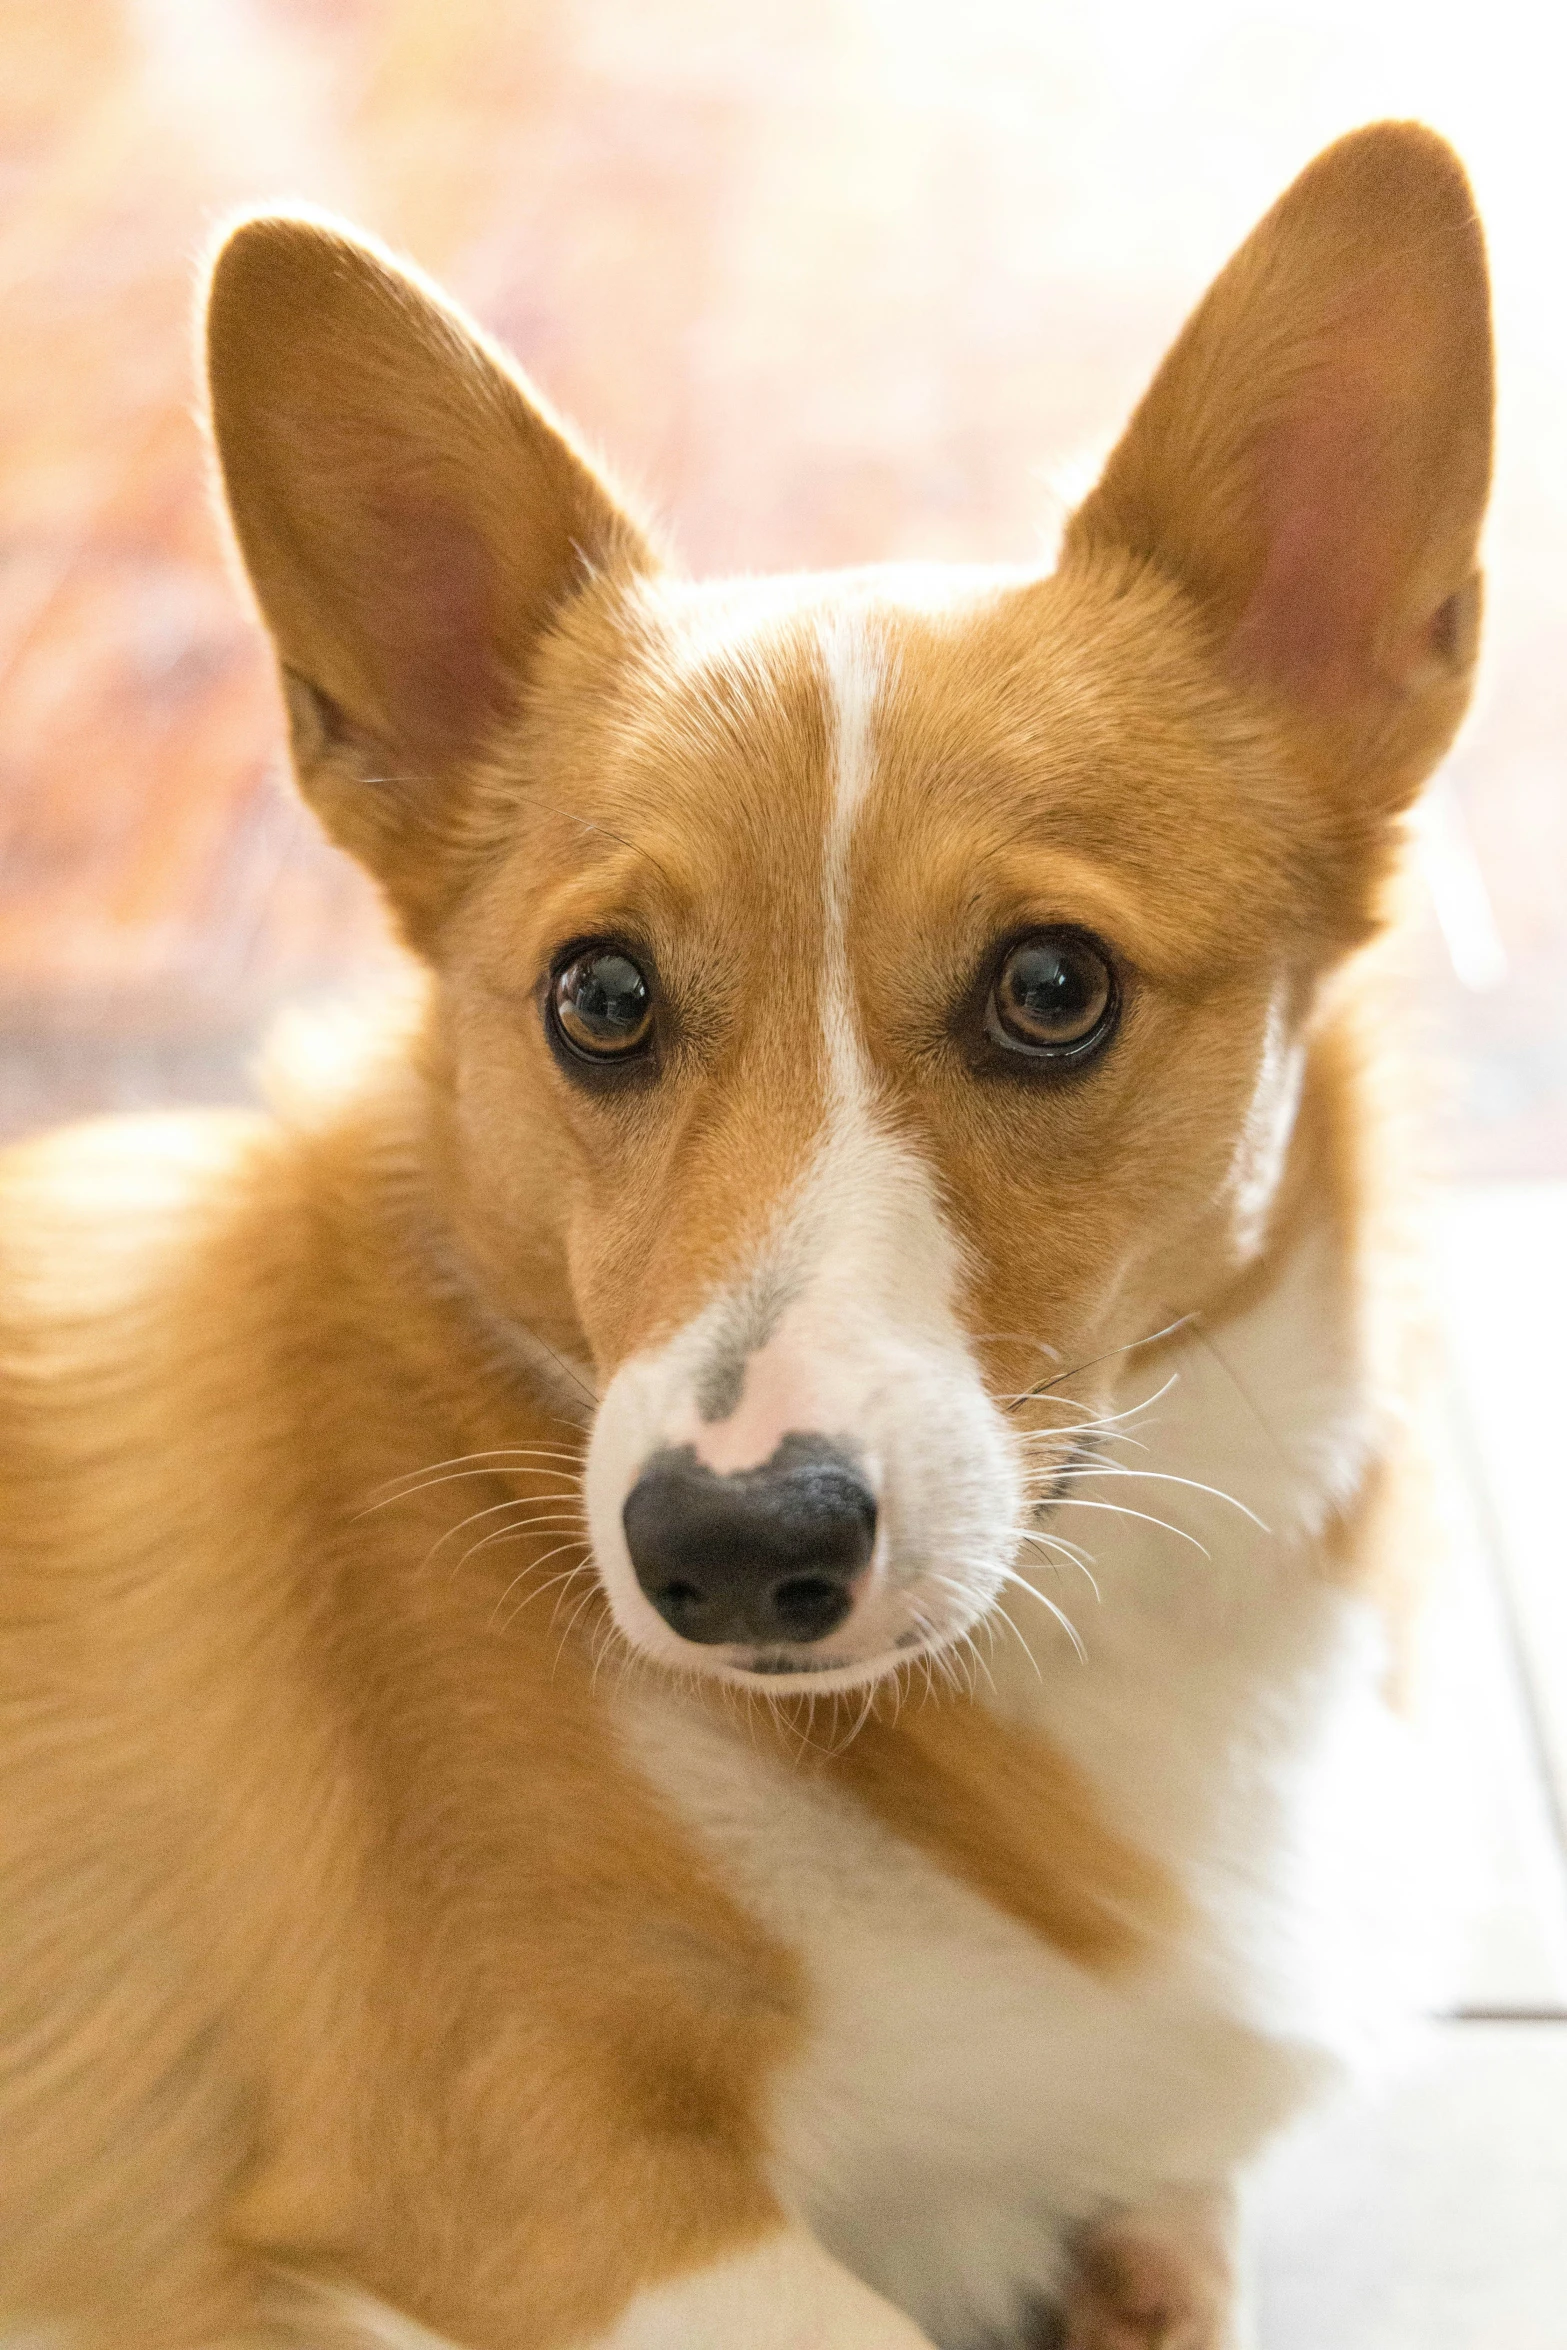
(912, 979)
(863, 1000)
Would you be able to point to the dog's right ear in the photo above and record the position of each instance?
(413, 521)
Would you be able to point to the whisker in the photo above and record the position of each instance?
(605, 1639)
(1087, 1439)
(1073, 1556)
(1059, 1403)
(1106, 1429)
(523, 1501)
(966, 1639)
(1014, 1338)
(548, 1584)
(490, 1452)
(981, 1662)
(521, 1534)
(570, 1627)
(570, 816)
(552, 1493)
(528, 1528)
(1109, 1354)
(559, 1362)
(420, 1480)
(1164, 1477)
(1099, 1420)
(864, 1714)
(959, 1650)
(560, 1598)
(1009, 1575)
(1050, 1607)
(567, 1575)
(546, 1516)
(1075, 1501)
(1211, 1346)
(1018, 1637)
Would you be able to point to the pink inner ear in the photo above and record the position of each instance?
(431, 616)
(1332, 536)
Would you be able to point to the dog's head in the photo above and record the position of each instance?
(859, 998)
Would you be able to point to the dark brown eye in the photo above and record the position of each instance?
(601, 1004)
(1054, 997)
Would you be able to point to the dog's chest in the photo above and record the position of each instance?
(966, 2093)
(969, 2095)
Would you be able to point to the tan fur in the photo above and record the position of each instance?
(1007, 1814)
(300, 1965)
(342, 1936)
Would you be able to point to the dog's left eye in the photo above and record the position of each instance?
(1054, 997)
(601, 1005)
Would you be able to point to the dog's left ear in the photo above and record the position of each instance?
(1312, 460)
(414, 522)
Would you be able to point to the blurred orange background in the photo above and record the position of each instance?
(831, 280)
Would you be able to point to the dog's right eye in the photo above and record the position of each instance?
(600, 1005)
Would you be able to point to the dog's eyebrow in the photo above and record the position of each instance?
(570, 816)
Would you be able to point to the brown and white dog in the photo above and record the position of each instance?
(709, 1659)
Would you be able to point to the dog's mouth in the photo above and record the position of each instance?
(829, 1668)
(831, 1671)
(826, 1671)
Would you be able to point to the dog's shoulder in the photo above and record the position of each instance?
(119, 1242)
(88, 1211)
(155, 1274)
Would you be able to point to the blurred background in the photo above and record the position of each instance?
(831, 280)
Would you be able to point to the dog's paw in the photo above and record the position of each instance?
(1145, 2281)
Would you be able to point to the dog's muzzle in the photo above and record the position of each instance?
(763, 1556)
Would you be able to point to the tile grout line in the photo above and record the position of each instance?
(1502, 2015)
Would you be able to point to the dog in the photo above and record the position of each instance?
(710, 1652)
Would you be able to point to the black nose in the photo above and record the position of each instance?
(764, 1554)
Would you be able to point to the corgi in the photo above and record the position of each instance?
(707, 1654)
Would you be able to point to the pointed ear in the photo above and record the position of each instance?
(412, 519)
(1312, 460)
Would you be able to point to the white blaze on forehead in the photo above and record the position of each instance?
(843, 1325)
(824, 1239)
(855, 674)
(854, 665)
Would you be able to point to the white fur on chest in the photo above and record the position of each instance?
(968, 2094)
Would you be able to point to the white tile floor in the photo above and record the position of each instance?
(1435, 2217)
(1435, 2220)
